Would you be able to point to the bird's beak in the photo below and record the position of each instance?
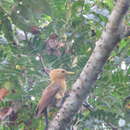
(70, 72)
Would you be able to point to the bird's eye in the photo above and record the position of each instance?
(63, 71)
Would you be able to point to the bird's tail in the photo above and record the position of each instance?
(36, 113)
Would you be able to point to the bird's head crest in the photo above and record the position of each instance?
(59, 74)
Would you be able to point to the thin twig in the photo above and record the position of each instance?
(43, 66)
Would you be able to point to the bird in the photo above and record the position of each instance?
(55, 90)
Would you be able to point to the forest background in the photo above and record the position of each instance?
(37, 36)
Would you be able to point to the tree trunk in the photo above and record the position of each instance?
(109, 39)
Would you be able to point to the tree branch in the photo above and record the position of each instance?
(45, 70)
(109, 38)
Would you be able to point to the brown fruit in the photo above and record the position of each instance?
(3, 92)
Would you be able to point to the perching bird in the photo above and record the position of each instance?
(56, 89)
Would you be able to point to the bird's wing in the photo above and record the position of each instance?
(47, 97)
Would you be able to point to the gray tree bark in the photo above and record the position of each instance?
(109, 39)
